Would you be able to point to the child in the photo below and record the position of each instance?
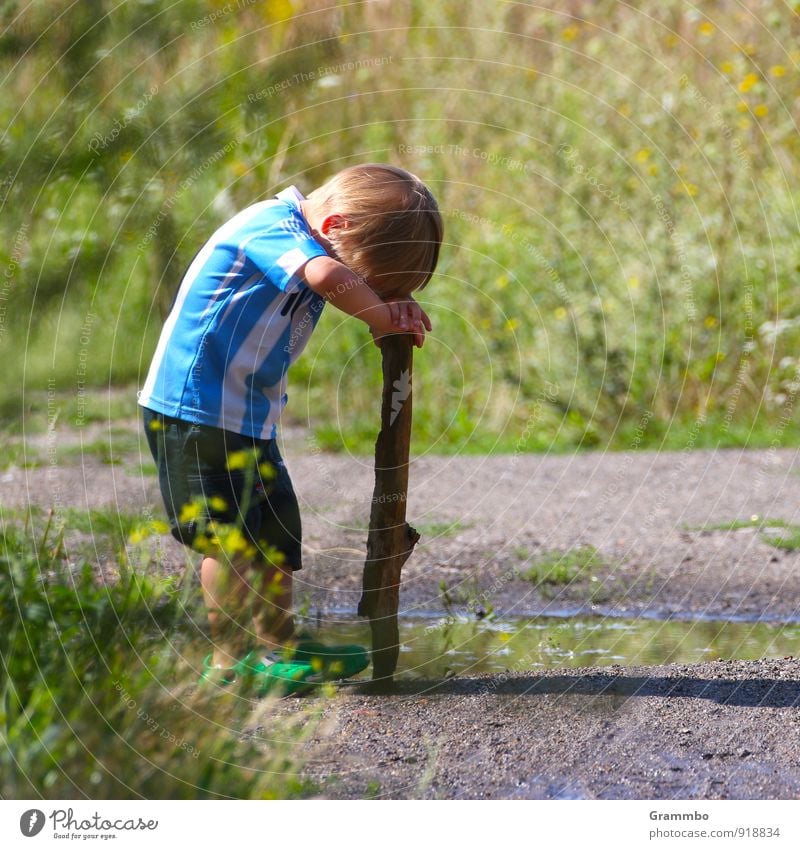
(217, 385)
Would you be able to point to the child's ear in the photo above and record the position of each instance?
(332, 222)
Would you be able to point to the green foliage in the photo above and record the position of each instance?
(98, 695)
(620, 208)
(790, 540)
(560, 568)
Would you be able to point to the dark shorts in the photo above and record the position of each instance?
(192, 462)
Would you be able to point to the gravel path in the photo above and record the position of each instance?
(486, 519)
(719, 730)
(725, 730)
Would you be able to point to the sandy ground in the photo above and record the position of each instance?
(720, 730)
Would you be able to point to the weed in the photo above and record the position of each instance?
(561, 568)
(439, 529)
(789, 541)
(97, 699)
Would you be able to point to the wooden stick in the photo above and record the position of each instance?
(391, 540)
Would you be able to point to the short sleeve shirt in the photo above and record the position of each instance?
(242, 316)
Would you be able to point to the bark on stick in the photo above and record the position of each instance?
(391, 540)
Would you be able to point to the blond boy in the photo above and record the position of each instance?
(364, 241)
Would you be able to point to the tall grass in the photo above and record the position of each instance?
(618, 183)
(98, 693)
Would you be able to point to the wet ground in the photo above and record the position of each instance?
(660, 709)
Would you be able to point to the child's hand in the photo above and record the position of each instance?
(409, 317)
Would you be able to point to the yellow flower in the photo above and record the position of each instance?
(240, 460)
(219, 505)
(569, 34)
(706, 29)
(232, 541)
(726, 67)
(240, 168)
(155, 425)
(710, 322)
(720, 356)
(266, 470)
(138, 535)
(643, 155)
(778, 71)
(741, 106)
(512, 324)
(624, 110)
(743, 124)
(501, 282)
(748, 49)
(189, 512)
(690, 188)
(748, 82)
(159, 527)
(653, 170)
(761, 110)
(560, 313)
(634, 282)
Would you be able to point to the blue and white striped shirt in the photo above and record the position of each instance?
(242, 316)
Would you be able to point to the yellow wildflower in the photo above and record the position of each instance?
(726, 67)
(512, 324)
(266, 470)
(560, 313)
(189, 512)
(643, 155)
(706, 29)
(217, 504)
(742, 106)
(761, 110)
(634, 282)
(710, 322)
(778, 71)
(156, 425)
(653, 170)
(748, 82)
(240, 460)
(569, 34)
(138, 535)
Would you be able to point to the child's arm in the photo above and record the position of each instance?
(350, 293)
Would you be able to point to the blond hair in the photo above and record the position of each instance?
(394, 229)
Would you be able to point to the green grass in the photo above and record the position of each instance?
(790, 541)
(666, 317)
(98, 695)
(428, 530)
(110, 449)
(560, 568)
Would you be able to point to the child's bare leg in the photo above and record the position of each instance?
(226, 591)
(240, 593)
(272, 611)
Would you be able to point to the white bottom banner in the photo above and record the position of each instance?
(387, 824)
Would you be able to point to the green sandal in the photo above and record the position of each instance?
(333, 662)
(265, 675)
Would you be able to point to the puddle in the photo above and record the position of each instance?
(434, 648)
